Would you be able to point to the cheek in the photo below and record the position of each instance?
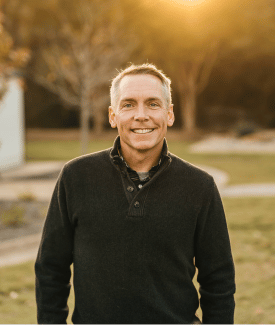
(123, 121)
(121, 125)
(161, 120)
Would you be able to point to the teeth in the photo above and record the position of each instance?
(143, 130)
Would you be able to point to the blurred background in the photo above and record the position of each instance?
(57, 60)
(219, 55)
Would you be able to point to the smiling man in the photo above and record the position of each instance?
(136, 221)
(141, 112)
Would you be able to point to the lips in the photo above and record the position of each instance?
(142, 131)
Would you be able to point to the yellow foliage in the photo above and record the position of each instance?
(20, 57)
(12, 58)
(66, 60)
(51, 77)
(6, 44)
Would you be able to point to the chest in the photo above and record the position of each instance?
(161, 219)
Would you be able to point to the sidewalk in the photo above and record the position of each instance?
(221, 144)
(20, 250)
(33, 178)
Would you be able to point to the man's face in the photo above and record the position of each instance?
(141, 115)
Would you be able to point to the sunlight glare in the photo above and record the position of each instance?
(189, 3)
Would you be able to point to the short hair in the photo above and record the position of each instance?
(142, 69)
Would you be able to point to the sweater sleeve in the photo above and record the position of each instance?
(214, 261)
(53, 261)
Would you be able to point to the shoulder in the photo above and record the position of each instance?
(189, 172)
(95, 160)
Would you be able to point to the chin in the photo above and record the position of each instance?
(144, 146)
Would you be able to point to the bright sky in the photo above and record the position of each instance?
(195, 13)
(190, 3)
(198, 9)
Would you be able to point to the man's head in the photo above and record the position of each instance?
(144, 69)
(141, 108)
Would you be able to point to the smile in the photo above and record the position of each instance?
(142, 131)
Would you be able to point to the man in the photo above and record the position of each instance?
(135, 221)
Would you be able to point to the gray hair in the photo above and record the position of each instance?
(144, 69)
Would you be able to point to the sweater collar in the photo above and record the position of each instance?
(118, 159)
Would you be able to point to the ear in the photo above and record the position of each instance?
(171, 116)
(112, 117)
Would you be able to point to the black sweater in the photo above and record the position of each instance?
(133, 252)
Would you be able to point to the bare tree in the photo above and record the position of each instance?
(194, 38)
(81, 55)
(192, 78)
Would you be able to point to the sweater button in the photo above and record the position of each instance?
(130, 189)
(136, 204)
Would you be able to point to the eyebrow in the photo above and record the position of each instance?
(150, 99)
(128, 100)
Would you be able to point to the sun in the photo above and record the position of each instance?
(189, 3)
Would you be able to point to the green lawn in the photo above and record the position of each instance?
(60, 150)
(242, 168)
(251, 227)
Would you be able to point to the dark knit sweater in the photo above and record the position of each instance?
(133, 252)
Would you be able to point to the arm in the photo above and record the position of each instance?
(213, 259)
(53, 262)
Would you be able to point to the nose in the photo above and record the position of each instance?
(141, 113)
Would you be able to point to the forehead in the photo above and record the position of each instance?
(140, 86)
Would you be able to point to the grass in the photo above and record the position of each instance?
(60, 150)
(251, 227)
(17, 295)
(242, 168)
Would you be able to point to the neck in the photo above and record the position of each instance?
(143, 160)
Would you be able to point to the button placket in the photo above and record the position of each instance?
(137, 204)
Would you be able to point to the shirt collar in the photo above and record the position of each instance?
(118, 159)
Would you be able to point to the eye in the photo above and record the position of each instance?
(127, 105)
(154, 105)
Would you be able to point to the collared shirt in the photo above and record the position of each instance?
(118, 158)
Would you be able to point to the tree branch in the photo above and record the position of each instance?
(65, 95)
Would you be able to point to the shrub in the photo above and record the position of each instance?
(26, 197)
(13, 217)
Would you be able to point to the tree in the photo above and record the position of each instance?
(81, 55)
(11, 59)
(81, 44)
(193, 38)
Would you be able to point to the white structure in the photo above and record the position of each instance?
(12, 133)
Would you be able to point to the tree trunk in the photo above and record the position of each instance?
(98, 122)
(84, 126)
(194, 76)
(262, 112)
(188, 108)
